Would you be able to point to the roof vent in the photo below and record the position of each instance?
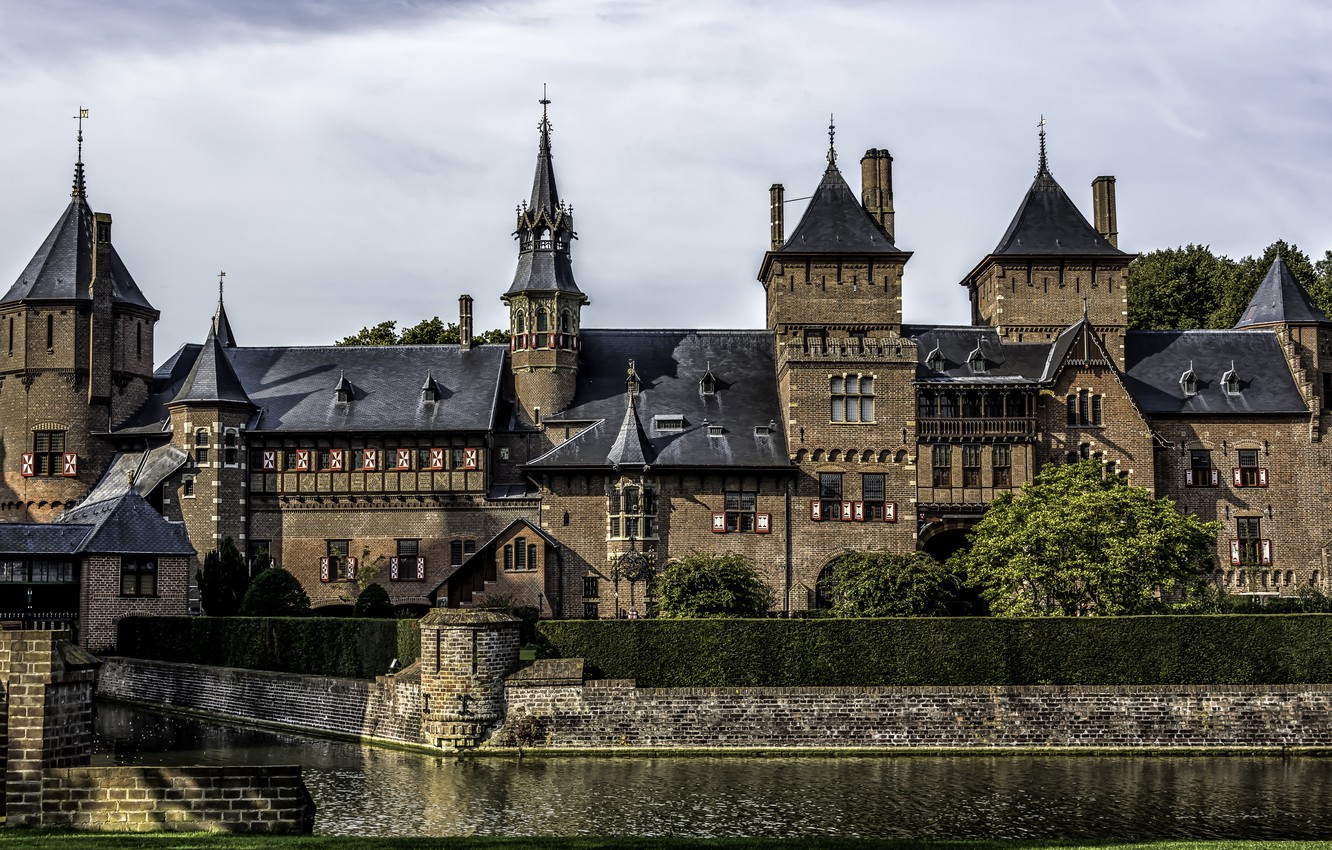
(936, 359)
(1189, 382)
(762, 431)
(668, 423)
(716, 430)
(1230, 381)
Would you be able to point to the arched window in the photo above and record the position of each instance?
(566, 322)
(542, 320)
(519, 326)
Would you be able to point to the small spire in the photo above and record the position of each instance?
(544, 126)
(80, 188)
(221, 276)
(1043, 167)
(832, 141)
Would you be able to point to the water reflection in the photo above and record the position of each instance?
(370, 791)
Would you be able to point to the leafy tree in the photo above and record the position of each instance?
(703, 585)
(1176, 287)
(275, 593)
(222, 580)
(879, 584)
(426, 332)
(1077, 542)
(1247, 273)
(373, 602)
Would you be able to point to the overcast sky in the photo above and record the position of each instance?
(349, 162)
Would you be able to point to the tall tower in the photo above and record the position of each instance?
(76, 358)
(545, 303)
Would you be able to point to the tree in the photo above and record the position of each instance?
(1176, 287)
(223, 580)
(703, 585)
(426, 332)
(880, 584)
(275, 593)
(1077, 542)
(1247, 273)
(373, 602)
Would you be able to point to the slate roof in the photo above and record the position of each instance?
(835, 222)
(150, 468)
(1048, 222)
(1156, 360)
(26, 538)
(293, 388)
(222, 326)
(128, 525)
(1005, 363)
(670, 364)
(1280, 299)
(545, 269)
(631, 446)
(61, 270)
(212, 378)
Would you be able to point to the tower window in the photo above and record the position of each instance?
(11, 338)
(47, 449)
(830, 494)
(50, 332)
(566, 323)
(519, 326)
(187, 487)
(633, 512)
(542, 320)
(852, 398)
(230, 448)
(138, 340)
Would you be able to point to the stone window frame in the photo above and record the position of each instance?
(187, 486)
(141, 572)
(632, 520)
(1085, 409)
(1249, 533)
(830, 494)
(873, 497)
(1001, 465)
(941, 465)
(972, 463)
(48, 462)
(851, 391)
(231, 447)
(741, 508)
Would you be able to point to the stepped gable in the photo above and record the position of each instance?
(1157, 360)
(1006, 363)
(212, 380)
(836, 223)
(1281, 300)
(670, 365)
(293, 387)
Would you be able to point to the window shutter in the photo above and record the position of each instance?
(69, 464)
(269, 460)
(1234, 552)
(323, 569)
(393, 569)
(420, 568)
(27, 464)
(1262, 476)
(550, 340)
(815, 508)
(335, 460)
(302, 460)
(436, 458)
(718, 523)
(1188, 478)
(471, 458)
(1265, 550)
(1237, 477)
(1216, 478)
(890, 511)
(846, 512)
(859, 511)
(762, 523)
(351, 569)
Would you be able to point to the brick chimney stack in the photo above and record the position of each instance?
(777, 200)
(876, 187)
(465, 321)
(1103, 209)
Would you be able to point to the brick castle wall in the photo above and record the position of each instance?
(101, 606)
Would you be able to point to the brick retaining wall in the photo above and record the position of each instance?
(149, 799)
(387, 708)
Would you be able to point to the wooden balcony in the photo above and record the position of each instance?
(978, 429)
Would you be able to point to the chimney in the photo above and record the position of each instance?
(876, 187)
(465, 321)
(777, 209)
(1103, 209)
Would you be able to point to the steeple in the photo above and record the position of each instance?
(220, 324)
(1042, 164)
(212, 379)
(631, 447)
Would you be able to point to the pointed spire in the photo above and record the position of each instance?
(79, 191)
(221, 324)
(1043, 165)
(832, 141)
(545, 196)
(212, 379)
(631, 446)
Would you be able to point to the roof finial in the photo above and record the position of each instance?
(221, 276)
(1044, 165)
(545, 117)
(832, 140)
(80, 188)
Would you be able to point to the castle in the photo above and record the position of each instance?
(559, 470)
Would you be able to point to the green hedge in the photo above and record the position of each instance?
(1167, 650)
(328, 646)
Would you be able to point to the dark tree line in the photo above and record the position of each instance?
(426, 332)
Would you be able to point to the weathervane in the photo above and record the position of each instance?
(545, 102)
(1044, 165)
(221, 276)
(832, 137)
(79, 189)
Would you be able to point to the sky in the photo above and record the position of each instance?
(349, 162)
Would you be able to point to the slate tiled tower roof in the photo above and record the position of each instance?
(1280, 300)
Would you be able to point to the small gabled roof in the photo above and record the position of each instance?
(212, 379)
(1006, 363)
(836, 223)
(127, 525)
(1280, 300)
(487, 550)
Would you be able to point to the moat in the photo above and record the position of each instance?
(372, 791)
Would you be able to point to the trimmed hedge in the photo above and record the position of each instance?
(327, 646)
(1164, 650)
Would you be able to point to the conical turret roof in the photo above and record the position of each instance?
(212, 379)
(1048, 222)
(1280, 300)
(835, 222)
(631, 447)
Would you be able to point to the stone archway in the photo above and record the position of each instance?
(943, 538)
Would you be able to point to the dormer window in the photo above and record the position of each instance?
(716, 430)
(430, 390)
(670, 423)
(343, 391)
(976, 360)
(762, 430)
(1230, 381)
(936, 360)
(708, 384)
(1189, 383)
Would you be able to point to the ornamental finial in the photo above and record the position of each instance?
(80, 189)
(1043, 167)
(832, 141)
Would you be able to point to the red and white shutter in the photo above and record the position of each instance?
(1234, 552)
(1265, 552)
(471, 458)
(302, 460)
(420, 568)
(404, 458)
(847, 514)
(323, 569)
(718, 523)
(858, 511)
(69, 464)
(26, 465)
(1216, 478)
(1236, 477)
(335, 460)
(351, 569)
(762, 523)
(890, 511)
(436, 458)
(393, 569)
(1262, 476)
(815, 510)
(370, 460)
(1188, 478)
(269, 460)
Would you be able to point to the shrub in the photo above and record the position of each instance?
(712, 586)
(880, 584)
(373, 602)
(222, 580)
(275, 593)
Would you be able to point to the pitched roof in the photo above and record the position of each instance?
(61, 270)
(212, 380)
(1280, 299)
(1022, 362)
(31, 538)
(835, 222)
(1047, 222)
(670, 364)
(1156, 360)
(486, 551)
(294, 387)
(128, 525)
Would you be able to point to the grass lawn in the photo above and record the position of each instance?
(43, 840)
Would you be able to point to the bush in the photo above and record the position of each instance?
(373, 602)
(325, 646)
(1149, 650)
(712, 586)
(880, 584)
(222, 580)
(275, 593)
